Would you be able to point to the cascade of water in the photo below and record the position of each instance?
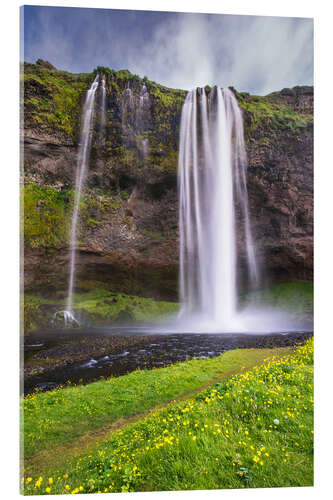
(211, 183)
(127, 107)
(81, 168)
(129, 97)
(103, 112)
(140, 120)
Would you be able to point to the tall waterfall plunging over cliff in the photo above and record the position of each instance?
(212, 186)
(81, 170)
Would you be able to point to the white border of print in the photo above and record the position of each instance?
(9, 198)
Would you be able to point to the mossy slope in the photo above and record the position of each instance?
(97, 307)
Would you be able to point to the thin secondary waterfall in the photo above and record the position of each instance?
(144, 104)
(81, 169)
(212, 184)
(103, 113)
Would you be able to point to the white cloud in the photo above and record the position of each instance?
(271, 53)
(260, 54)
(179, 55)
(256, 54)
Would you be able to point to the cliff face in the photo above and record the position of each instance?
(129, 214)
(279, 136)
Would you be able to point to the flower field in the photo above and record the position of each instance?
(254, 429)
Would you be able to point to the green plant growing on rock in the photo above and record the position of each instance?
(52, 98)
(92, 223)
(46, 221)
(124, 195)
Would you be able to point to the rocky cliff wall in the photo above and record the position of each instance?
(129, 215)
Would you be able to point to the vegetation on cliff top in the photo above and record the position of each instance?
(270, 118)
(52, 99)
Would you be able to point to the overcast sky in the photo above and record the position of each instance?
(253, 54)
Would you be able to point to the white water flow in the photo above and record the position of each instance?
(212, 184)
(129, 97)
(144, 103)
(103, 113)
(81, 169)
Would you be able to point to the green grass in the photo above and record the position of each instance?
(100, 305)
(103, 304)
(295, 297)
(252, 430)
(271, 118)
(62, 415)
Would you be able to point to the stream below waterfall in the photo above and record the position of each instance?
(161, 350)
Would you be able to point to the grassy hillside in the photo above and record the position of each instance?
(254, 429)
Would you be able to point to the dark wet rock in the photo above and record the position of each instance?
(58, 351)
(88, 358)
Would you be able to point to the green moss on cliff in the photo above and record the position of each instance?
(52, 98)
(34, 312)
(46, 216)
(32, 315)
(268, 120)
(127, 126)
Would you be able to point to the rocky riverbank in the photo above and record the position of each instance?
(84, 357)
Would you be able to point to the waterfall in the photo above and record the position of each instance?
(103, 113)
(140, 125)
(129, 96)
(127, 108)
(212, 186)
(81, 169)
(135, 119)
